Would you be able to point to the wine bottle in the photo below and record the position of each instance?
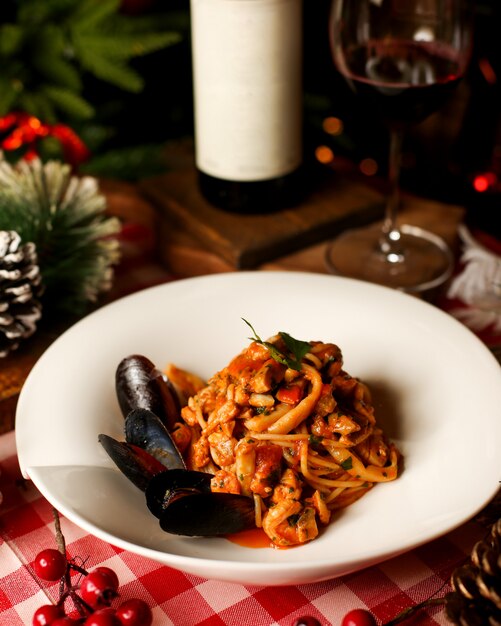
(247, 82)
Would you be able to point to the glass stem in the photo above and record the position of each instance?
(390, 237)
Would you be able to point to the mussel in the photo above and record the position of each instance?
(207, 514)
(140, 385)
(144, 429)
(139, 466)
(181, 499)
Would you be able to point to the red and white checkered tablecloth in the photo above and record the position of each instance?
(178, 599)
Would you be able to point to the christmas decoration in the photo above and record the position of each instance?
(478, 285)
(20, 289)
(475, 599)
(91, 597)
(48, 48)
(64, 217)
(476, 596)
(24, 131)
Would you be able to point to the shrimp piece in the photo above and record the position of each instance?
(267, 377)
(181, 435)
(225, 482)
(343, 384)
(295, 527)
(276, 516)
(189, 415)
(289, 487)
(225, 413)
(222, 448)
(245, 365)
(320, 506)
(267, 473)
(287, 522)
(374, 450)
(200, 452)
(245, 464)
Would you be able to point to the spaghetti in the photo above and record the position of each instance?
(299, 436)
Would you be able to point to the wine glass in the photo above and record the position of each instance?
(404, 58)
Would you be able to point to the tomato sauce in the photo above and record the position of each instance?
(252, 538)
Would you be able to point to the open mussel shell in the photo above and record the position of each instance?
(140, 385)
(199, 514)
(162, 486)
(136, 464)
(144, 429)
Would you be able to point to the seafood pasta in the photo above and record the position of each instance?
(287, 426)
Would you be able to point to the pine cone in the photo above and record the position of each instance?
(476, 596)
(20, 288)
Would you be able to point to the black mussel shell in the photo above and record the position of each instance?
(144, 429)
(207, 514)
(162, 486)
(140, 385)
(136, 464)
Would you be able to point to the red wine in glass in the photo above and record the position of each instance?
(403, 81)
(402, 58)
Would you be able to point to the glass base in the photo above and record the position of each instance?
(423, 261)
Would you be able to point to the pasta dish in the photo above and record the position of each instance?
(284, 424)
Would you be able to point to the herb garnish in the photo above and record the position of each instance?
(296, 346)
(347, 464)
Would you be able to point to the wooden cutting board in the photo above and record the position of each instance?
(336, 202)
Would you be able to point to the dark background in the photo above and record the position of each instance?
(443, 156)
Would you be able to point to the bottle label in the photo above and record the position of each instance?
(247, 77)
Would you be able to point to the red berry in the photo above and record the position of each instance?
(50, 564)
(134, 612)
(107, 571)
(46, 614)
(102, 617)
(98, 589)
(64, 621)
(358, 617)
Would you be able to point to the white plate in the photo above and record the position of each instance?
(436, 387)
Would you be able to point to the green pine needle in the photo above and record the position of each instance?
(53, 45)
(65, 217)
(68, 101)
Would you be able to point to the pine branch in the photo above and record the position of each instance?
(121, 47)
(69, 102)
(38, 104)
(51, 60)
(34, 12)
(11, 37)
(60, 72)
(65, 217)
(8, 95)
(116, 73)
(92, 13)
(50, 47)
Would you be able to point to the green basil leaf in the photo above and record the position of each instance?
(296, 346)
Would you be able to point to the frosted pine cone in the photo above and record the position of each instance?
(20, 288)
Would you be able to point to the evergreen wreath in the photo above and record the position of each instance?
(64, 217)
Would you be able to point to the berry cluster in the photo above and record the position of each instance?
(92, 598)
